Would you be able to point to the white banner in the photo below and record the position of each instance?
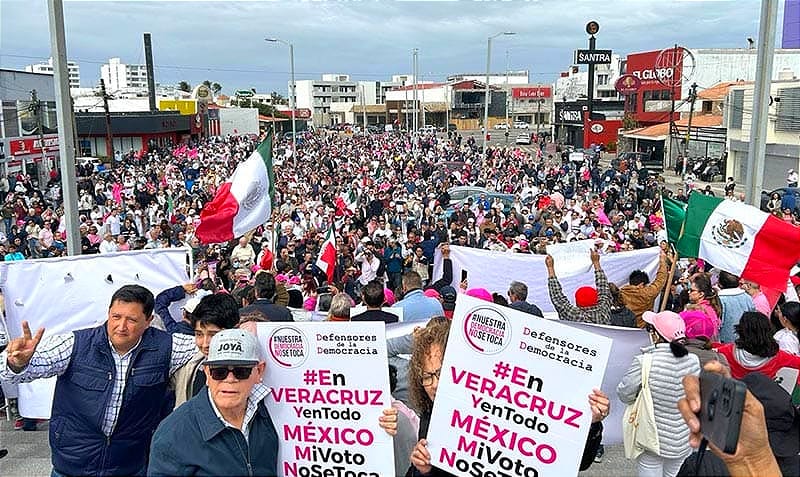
(571, 258)
(72, 293)
(513, 393)
(496, 270)
(330, 384)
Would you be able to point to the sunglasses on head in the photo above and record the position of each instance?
(239, 372)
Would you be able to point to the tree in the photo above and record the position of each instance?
(216, 87)
(207, 84)
(277, 98)
(184, 86)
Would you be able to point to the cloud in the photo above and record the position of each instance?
(370, 40)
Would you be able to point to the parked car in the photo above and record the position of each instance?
(523, 138)
(501, 126)
(459, 193)
(428, 129)
(647, 160)
(765, 196)
(506, 199)
(94, 161)
(521, 125)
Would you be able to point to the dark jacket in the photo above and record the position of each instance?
(163, 301)
(264, 310)
(526, 307)
(194, 441)
(82, 393)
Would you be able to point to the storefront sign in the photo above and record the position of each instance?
(20, 147)
(330, 384)
(643, 67)
(592, 57)
(512, 393)
(531, 93)
(569, 116)
(627, 84)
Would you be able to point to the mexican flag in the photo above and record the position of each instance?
(740, 239)
(346, 204)
(243, 202)
(674, 212)
(326, 261)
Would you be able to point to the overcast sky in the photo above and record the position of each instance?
(370, 40)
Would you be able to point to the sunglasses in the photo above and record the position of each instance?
(239, 372)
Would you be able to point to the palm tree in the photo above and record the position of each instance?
(184, 86)
(207, 84)
(216, 87)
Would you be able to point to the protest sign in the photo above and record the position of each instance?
(330, 384)
(571, 258)
(70, 293)
(496, 270)
(513, 393)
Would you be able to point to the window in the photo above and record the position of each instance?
(737, 109)
(10, 119)
(788, 110)
(602, 80)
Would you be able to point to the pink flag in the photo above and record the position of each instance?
(602, 217)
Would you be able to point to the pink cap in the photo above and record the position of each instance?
(431, 293)
(698, 324)
(667, 323)
(310, 303)
(388, 297)
(280, 278)
(480, 293)
(294, 281)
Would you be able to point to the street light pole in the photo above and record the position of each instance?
(292, 91)
(486, 93)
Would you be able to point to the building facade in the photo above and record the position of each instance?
(73, 70)
(791, 24)
(119, 76)
(323, 96)
(495, 79)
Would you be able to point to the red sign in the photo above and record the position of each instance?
(628, 84)
(531, 93)
(23, 147)
(302, 113)
(644, 67)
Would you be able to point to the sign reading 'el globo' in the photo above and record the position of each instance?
(592, 57)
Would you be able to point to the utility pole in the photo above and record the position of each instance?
(414, 67)
(758, 127)
(35, 108)
(65, 121)
(692, 98)
(422, 104)
(109, 136)
(508, 101)
(538, 113)
(364, 109)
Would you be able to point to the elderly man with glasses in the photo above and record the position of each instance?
(227, 430)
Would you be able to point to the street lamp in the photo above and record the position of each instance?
(292, 97)
(486, 95)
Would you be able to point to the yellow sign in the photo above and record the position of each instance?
(185, 106)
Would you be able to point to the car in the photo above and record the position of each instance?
(645, 158)
(460, 193)
(501, 126)
(521, 125)
(427, 129)
(523, 138)
(506, 199)
(96, 162)
(781, 192)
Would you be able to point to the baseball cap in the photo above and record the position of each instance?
(448, 293)
(667, 323)
(192, 302)
(698, 325)
(233, 347)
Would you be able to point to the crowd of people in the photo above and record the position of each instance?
(388, 199)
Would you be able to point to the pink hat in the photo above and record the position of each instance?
(431, 293)
(388, 297)
(480, 293)
(294, 281)
(667, 323)
(310, 303)
(281, 278)
(698, 324)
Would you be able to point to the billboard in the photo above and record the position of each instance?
(532, 92)
(652, 77)
(184, 106)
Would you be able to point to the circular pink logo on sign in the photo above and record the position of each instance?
(487, 330)
(288, 347)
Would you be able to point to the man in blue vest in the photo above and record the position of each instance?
(111, 384)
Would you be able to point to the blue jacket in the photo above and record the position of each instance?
(194, 441)
(418, 307)
(163, 301)
(83, 392)
(735, 302)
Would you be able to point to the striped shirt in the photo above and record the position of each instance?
(52, 358)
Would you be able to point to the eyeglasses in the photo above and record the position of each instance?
(239, 372)
(427, 378)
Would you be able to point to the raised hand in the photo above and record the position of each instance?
(20, 350)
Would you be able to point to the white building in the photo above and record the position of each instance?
(574, 83)
(331, 93)
(73, 70)
(512, 77)
(119, 76)
(783, 130)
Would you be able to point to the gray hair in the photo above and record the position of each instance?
(519, 290)
(340, 306)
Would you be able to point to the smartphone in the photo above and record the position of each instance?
(721, 410)
(463, 274)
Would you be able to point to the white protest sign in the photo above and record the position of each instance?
(513, 393)
(571, 258)
(330, 384)
(70, 293)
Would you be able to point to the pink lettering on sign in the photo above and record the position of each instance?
(328, 435)
(352, 397)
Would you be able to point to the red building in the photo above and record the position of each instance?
(652, 103)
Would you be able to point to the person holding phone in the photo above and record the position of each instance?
(670, 362)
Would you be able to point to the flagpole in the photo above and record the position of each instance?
(668, 283)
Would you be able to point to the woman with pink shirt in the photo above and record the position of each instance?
(759, 299)
(703, 298)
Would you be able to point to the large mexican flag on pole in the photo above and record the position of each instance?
(740, 239)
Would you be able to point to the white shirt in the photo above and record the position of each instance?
(788, 341)
(54, 354)
(257, 394)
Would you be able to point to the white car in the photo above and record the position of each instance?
(500, 126)
(521, 125)
(523, 138)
